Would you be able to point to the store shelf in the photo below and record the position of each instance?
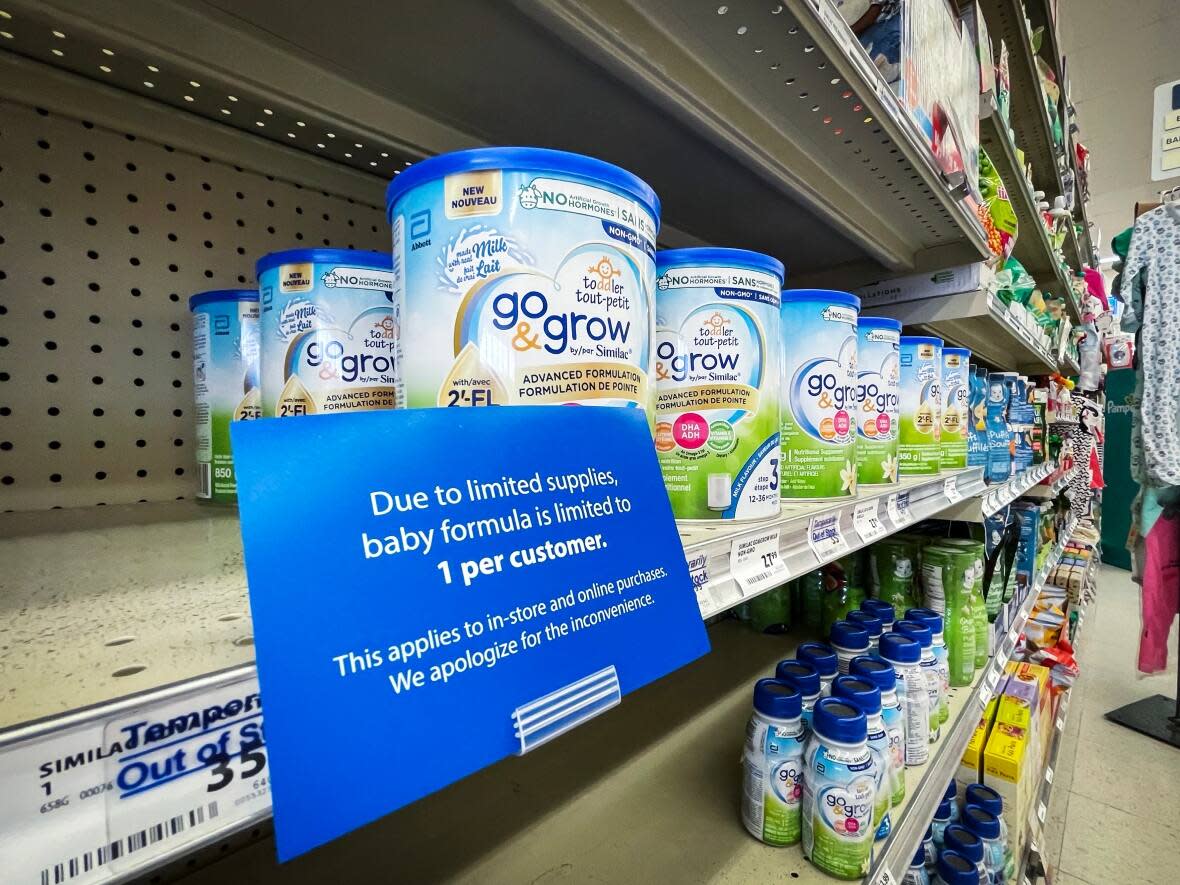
(1049, 490)
(1069, 365)
(997, 496)
(979, 321)
(733, 113)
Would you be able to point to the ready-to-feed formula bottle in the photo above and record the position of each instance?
(951, 796)
(878, 388)
(225, 383)
(929, 667)
(717, 382)
(848, 640)
(882, 611)
(839, 791)
(331, 332)
(977, 419)
(942, 820)
(882, 675)
(919, 451)
(870, 622)
(956, 398)
(989, 800)
(916, 874)
(958, 838)
(904, 653)
(986, 826)
(823, 659)
(772, 791)
(865, 696)
(528, 278)
(804, 677)
(933, 621)
(954, 869)
(819, 398)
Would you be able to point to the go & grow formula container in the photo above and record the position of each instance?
(919, 449)
(717, 382)
(819, 394)
(528, 278)
(878, 388)
(331, 332)
(225, 383)
(956, 396)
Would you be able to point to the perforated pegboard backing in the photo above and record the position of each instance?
(103, 237)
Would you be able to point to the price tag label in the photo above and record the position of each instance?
(898, 508)
(698, 571)
(866, 521)
(825, 538)
(755, 563)
(1049, 775)
(885, 878)
(1060, 724)
(1041, 812)
(950, 488)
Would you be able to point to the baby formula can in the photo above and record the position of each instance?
(878, 388)
(823, 659)
(929, 667)
(954, 869)
(839, 791)
(892, 563)
(865, 696)
(805, 678)
(848, 640)
(933, 621)
(819, 396)
(977, 419)
(772, 792)
(528, 278)
(717, 382)
(225, 383)
(919, 451)
(916, 874)
(956, 396)
(331, 332)
(905, 654)
(882, 675)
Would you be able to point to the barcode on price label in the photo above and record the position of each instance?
(898, 508)
(1041, 812)
(755, 563)
(950, 488)
(825, 537)
(866, 522)
(885, 878)
(1049, 775)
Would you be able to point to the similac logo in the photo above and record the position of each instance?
(522, 314)
(822, 394)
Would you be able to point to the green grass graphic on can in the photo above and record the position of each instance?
(919, 451)
(878, 388)
(819, 401)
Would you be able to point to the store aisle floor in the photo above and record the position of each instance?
(1115, 809)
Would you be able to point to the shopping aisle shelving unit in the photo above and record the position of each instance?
(998, 495)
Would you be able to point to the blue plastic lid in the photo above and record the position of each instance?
(704, 257)
(919, 857)
(943, 812)
(846, 634)
(985, 797)
(350, 257)
(865, 619)
(920, 339)
(526, 159)
(840, 720)
(861, 692)
(981, 822)
(929, 837)
(900, 649)
(879, 608)
(926, 616)
(954, 869)
(958, 838)
(777, 699)
(879, 323)
(800, 674)
(222, 295)
(876, 671)
(950, 791)
(916, 630)
(827, 296)
(819, 656)
(961, 351)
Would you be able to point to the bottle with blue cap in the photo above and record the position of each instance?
(823, 659)
(871, 623)
(839, 791)
(916, 874)
(848, 639)
(772, 790)
(986, 826)
(942, 820)
(933, 620)
(881, 610)
(951, 794)
(804, 677)
(954, 869)
(867, 697)
(958, 838)
(928, 849)
(904, 653)
(882, 675)
(929, 665)
(989, 800)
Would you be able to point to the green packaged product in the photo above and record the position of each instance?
(892, 564)
(810, 591)
(771, 612)
(842, 591)
(948, 576)
(979, 606)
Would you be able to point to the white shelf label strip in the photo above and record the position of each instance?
(825, 538)
(866, 521)
(755, 562)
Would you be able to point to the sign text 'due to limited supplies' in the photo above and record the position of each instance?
(416, 575)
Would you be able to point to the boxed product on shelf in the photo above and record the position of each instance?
(916, 287)
(976, 26)
(970, 770)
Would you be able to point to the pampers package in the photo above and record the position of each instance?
(717, 382)
(527, 278)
